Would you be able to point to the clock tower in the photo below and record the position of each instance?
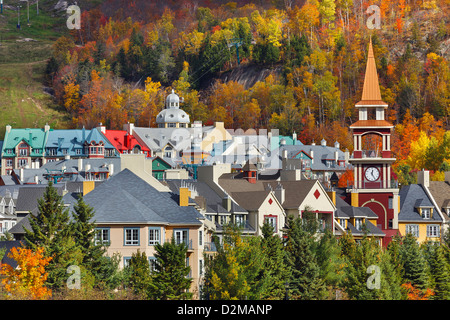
(373, 185)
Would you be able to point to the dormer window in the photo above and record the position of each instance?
(426, 213)
(359, 223)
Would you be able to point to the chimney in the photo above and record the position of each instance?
(337, 145)
(280, 193)
(46, 127)
(423, 177)
(102, 128)
(80, 165)
(129, 128)
(294, 137)
(311, 153)
(226, 203)
(87, 167)
(323, 143)
(184, 196)
(447, 176)
(8, 128)
(36, 179)
(111, 169)
(21, 175)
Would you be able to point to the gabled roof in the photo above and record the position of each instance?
(123, 141)
(411, 197)
(34, 137)
(440, 190)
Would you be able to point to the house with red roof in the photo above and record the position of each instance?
(124, 141)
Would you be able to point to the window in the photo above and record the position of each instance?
(22, 162)
(239, 220)
(51, 151)
(152, 264)
(413, 229)
(200, 237)
(200, 267)
(101, 236)
(342, 223)
(272, 221)
(181, 236)
(23, 149)
(64, 151)
(37, 150)
(9, 162)
(78, 151)
(154, 236)
(171, 125)
(433, 230)
(391, 203)
(126, 261)
(426, 213)
(222, 220)
(9, 151)
(358, 223)
(131, 236)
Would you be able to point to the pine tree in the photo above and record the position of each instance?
(171, 279)
(305, 282)
(51, 230)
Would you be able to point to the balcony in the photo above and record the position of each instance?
(392, 184)
(210, 247)
(371, 154)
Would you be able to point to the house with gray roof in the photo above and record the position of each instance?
(132, 215)
(419, 213)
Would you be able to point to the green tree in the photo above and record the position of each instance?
(138, 274)
(171, 281)
(439, 272)
(305, 282)
(51, 230)
(414, 264)
(278, 272)
(94, 259)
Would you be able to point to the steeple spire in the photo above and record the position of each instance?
(371, 89)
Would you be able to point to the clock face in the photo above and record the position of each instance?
(372, 174)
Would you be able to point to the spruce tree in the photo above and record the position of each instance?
(440, 274)
(138, 274)
(171, 281)
(414, 264)
(305, 282)
(94, 259)
(278, 272)
(51, 230)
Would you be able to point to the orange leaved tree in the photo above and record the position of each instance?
(28, 278)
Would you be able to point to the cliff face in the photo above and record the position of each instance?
(249, 74)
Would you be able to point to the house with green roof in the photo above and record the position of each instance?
(23, 148)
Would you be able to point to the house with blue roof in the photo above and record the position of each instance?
(78, 143)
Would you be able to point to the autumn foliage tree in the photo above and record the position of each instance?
(27, 280)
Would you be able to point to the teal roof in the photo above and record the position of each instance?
(36, 138)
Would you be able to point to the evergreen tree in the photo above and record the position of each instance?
(414, 264)
(171, 279)
(278, 272)
(138, 274)
(94, 259)
(305, 282)
(440, 273)
(330, 260)
(51, 230)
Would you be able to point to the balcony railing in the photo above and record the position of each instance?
(210, 247)
(392, 184)
(187, 242)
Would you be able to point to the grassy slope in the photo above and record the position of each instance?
(23, 102)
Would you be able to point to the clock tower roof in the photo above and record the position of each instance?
(371, 95)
